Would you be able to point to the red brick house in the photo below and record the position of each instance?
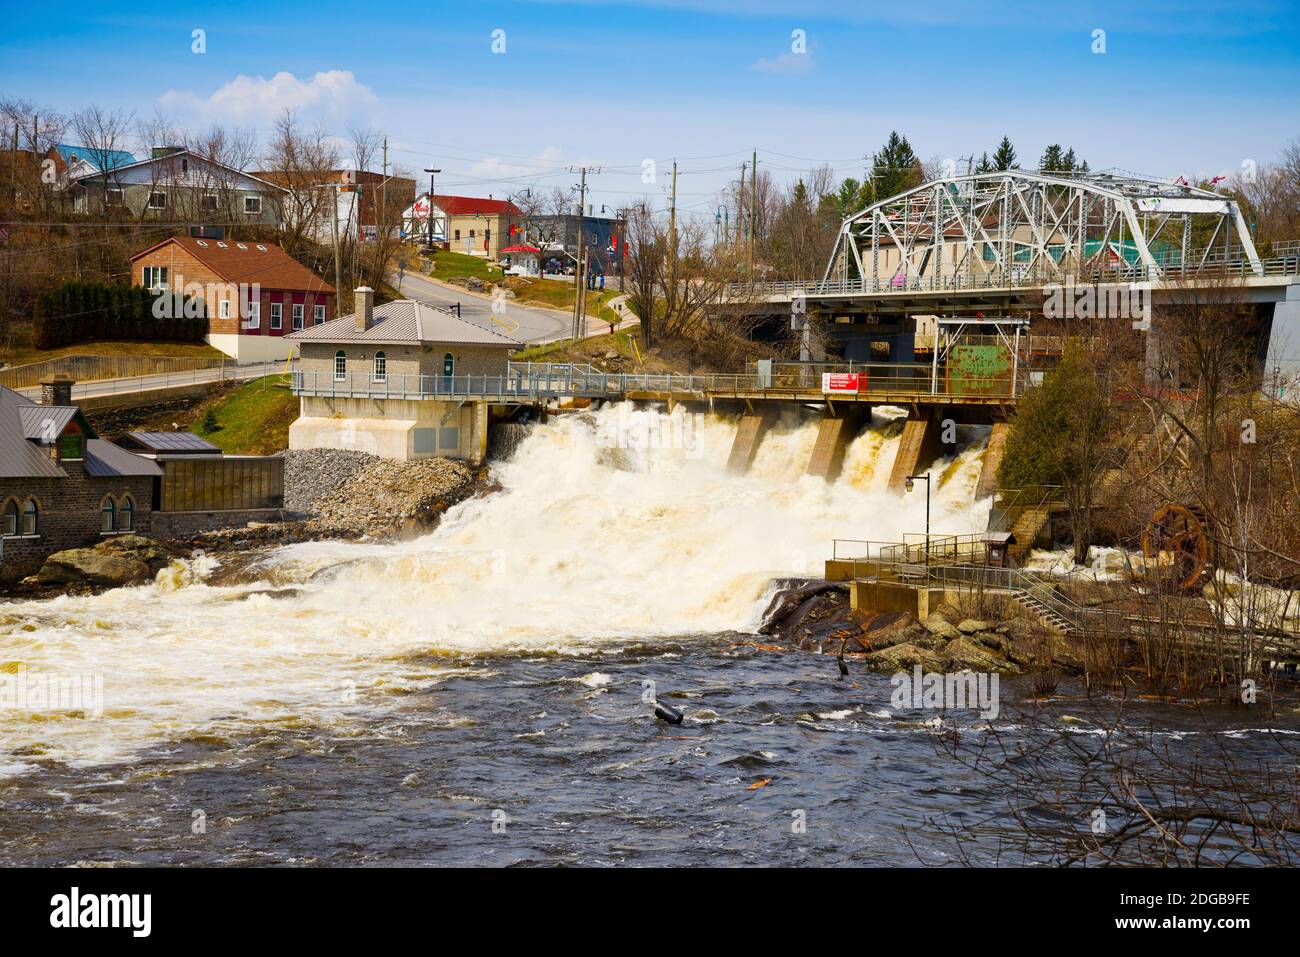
(256, 293)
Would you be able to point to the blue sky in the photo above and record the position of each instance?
(1194, 87)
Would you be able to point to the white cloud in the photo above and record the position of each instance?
(495, 168)
(253, 99)
(786, 63)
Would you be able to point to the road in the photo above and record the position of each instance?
(533, 325)
(148, 383)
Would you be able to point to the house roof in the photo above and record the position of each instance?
(171, 443)
(113, 159)
(106, 460)
(472, 205)
(23, 424)
(407, 321)
(172, 155)
(247, 262)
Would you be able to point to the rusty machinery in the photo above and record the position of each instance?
(1176, 546)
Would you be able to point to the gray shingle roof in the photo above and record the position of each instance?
(35, 417)
(407, 321)
(22, 425)
(170, 442)
(106, 460)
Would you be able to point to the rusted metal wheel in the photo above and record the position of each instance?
(1176, 546)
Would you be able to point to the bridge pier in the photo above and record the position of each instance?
(1283, 361)
(921, 443)
(834, 434)
(749, 436)
(988, 482)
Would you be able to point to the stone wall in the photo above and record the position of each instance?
(68, 514)
(188, 524)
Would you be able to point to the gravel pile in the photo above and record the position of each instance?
(310, 474)
(387, 497)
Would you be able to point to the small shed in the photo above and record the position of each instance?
(997, 549)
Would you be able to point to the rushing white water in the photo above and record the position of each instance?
(595, 538)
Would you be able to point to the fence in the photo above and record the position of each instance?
(84, 368)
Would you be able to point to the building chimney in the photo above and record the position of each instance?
(57, 391)
(365, 306)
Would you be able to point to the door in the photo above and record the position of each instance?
(448, 372)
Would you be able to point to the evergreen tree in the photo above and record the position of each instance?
(1004, 157)
(984, 165)
(894, 169)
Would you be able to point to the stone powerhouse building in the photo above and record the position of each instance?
(61, 486)
(405, 380)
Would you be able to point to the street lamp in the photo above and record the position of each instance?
(430, 170)
(911, 484)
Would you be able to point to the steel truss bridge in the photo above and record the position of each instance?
(1016, 230)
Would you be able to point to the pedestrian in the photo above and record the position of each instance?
(602, 282)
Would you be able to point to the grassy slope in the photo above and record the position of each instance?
(253, 419)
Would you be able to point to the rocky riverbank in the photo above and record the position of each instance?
(354, 495)
(815, 616)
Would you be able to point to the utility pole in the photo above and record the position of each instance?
(579, 281)
(338, 268)
(753, 221)
(672, 212)
(740, 205)
(383, 199)
(430, 170)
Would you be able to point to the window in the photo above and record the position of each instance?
(253, 207)
(381, 367)
(458, 234)
(155, 278)
(253, 315)
(209, 204)
(225, 309)
(107, 516)
(113, 197)
(29, 517)
(126, 515)
(11, 517)
(340, 365)
(318, 314)
(70, 446)
(277, 312)
(471, 234)
(158, 200)
(185, 165)
(297, 315)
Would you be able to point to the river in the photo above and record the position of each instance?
(479, 695)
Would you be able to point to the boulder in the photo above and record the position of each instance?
(474, 284)
(962, 653)
(92, 566)
(138, 547)
(904, 657)
(970, 626)
(936, 624)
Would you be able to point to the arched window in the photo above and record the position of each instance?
(381, 367)
(29, 517)
(107, 515)
(126, 515)
(340, 365)
(11, 517)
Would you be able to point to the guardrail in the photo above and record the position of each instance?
(537, 381)
(87, 368)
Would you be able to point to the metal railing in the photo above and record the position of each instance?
(1283, 260)
(536, 381)
(225, 372)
